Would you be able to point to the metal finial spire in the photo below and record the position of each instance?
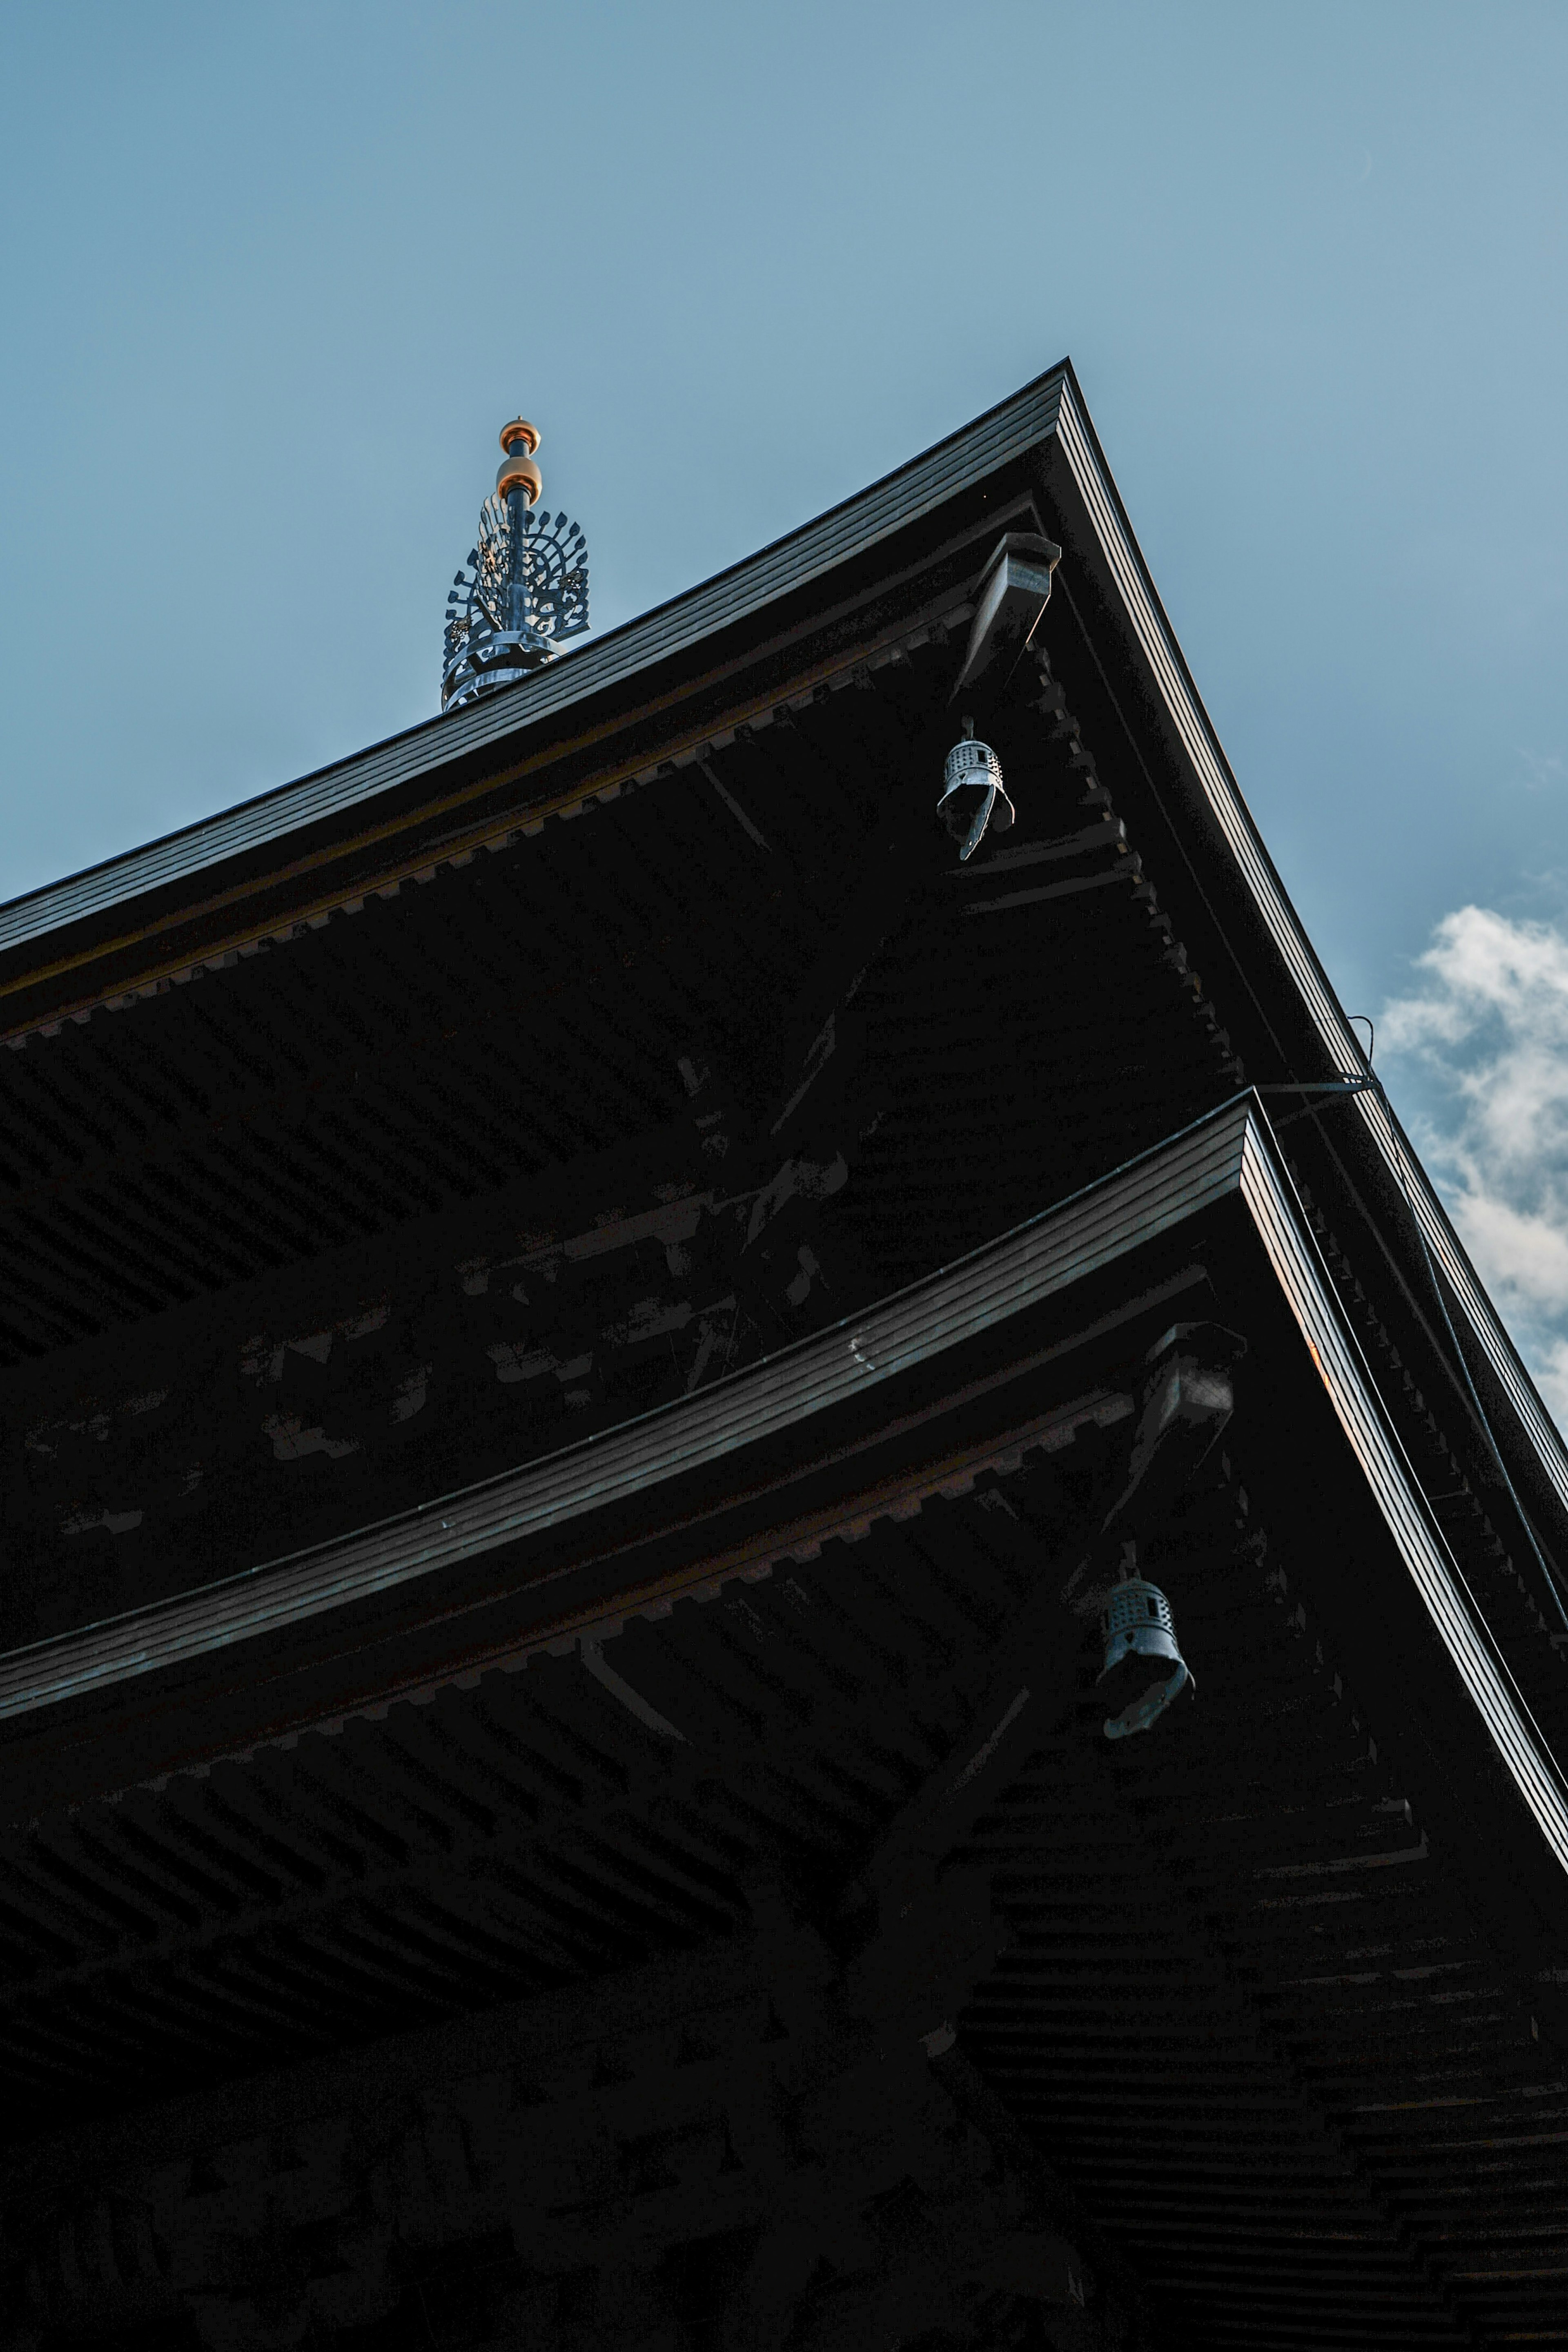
(525, 587)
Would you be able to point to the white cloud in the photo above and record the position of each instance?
(1542, 769)
(1549, 1367)
(1484, 1041)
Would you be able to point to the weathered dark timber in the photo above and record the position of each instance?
(583, 1319)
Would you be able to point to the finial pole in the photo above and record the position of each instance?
(529, 588)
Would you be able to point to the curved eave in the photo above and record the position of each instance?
(1039, 444)
(709, 1487)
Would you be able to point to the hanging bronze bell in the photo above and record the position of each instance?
(1143, 1670)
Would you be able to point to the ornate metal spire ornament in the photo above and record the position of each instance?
(524, 589)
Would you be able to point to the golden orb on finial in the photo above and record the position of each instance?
(516, 470)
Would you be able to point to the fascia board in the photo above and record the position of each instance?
(1228, 1156)
(1429, 1561)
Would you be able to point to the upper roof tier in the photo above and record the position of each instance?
(637, 709)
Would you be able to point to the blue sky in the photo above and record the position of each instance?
(272, 277)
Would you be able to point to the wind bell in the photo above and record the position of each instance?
(1139, 1633)
(972, 795)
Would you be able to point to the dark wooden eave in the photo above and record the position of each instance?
(1268, 1976)
(866, 1419)
(448, 1763)
(612, 717)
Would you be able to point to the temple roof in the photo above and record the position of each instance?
(579, 1297)
(646, 732)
